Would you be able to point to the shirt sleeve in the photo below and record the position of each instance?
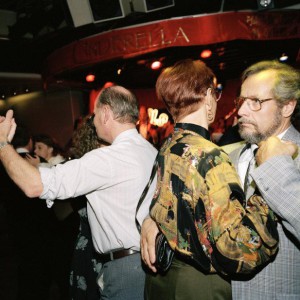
(76, 177)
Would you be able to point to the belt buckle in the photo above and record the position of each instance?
(111, 255)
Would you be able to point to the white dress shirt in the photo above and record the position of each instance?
(113, 179)
(246, 157)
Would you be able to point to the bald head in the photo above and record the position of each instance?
(122, 102)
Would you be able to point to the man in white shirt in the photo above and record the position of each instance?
(112, 178)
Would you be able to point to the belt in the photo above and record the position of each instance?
(112, 255)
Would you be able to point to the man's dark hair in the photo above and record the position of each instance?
(21, 138)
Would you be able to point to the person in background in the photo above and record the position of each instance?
(46, 147)
(112, 178)
(268, 102)
(85, 265)
(199, 205)
(29, 227)
(47, 154)
(23, 144)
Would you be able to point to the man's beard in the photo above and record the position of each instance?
(256, 136)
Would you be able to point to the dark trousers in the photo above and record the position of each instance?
(184, 282)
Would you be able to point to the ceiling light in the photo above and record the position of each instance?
(206, 53)
(90, 78)
(156, 65)
(263, 4)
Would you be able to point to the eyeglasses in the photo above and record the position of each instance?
(253, 103)
(218, 93)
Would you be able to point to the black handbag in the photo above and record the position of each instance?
(164, 253)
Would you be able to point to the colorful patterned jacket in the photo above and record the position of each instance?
(200, 207)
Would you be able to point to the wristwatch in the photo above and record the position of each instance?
(3, 144)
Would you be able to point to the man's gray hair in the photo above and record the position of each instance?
(287, 82)
(122, 102)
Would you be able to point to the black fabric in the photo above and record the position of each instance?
(30, 226)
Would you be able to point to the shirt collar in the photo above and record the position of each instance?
(22, 150)
(280, 136)
(124, 135)
(194, 128)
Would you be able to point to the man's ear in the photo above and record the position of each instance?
(288, 109)
(108, 114)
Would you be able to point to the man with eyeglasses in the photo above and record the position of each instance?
(268, 102)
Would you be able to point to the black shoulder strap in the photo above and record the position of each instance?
(153, 172)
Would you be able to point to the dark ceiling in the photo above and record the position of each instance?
(42, 26)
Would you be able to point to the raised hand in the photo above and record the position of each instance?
(7, 126)
(273, 146)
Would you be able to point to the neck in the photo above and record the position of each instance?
(198, 118)
(283, 127)
(118, 128)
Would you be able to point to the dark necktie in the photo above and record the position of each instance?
(248, 179)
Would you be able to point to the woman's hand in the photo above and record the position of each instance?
(148, 235)
(33, 160)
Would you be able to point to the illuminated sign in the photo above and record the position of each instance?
(158, 121)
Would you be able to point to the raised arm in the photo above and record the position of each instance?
(26, 176)
(278, 179)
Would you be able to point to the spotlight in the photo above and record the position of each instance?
(206, 53)
(156, 65)
(90, 78)
(265, 4)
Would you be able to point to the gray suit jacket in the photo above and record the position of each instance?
(279, 183)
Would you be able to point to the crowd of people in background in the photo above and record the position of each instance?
(70, 247)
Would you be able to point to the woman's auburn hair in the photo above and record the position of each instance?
(183, 86)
